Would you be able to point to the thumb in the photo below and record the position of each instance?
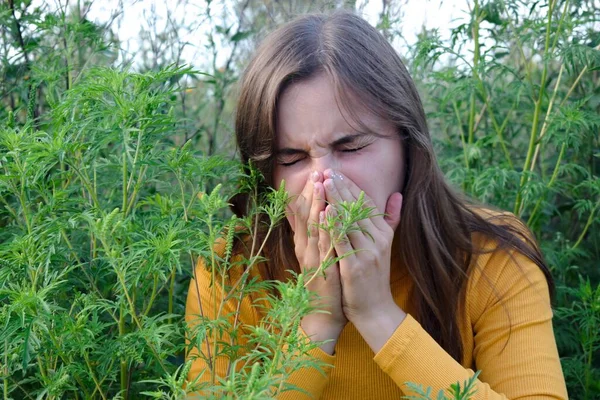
(392, 210)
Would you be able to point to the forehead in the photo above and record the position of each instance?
(312, 110)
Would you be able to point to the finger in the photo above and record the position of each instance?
(302, 208)
(357, 234)
(341, 242)
(392, 210)
(377, 216)
(343, 185)
(325, 250)
(318, 205)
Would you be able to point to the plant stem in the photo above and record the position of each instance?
(152, 296)
(195, 277)
(86, 183)
(134, 315)
(242, 279)
(136, 188)
(546, 118)
(185, 217)
(98, 388)
(124, 207)
(172, 292)
(476, 55)
(5, 368)
(550, 184)
(321, 267)
(587, 225)
(518, 208)
(588, 367)
(462, 135)
(123, 360)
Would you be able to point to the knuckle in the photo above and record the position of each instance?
(322, 247)
(382, 244)
(313, 231)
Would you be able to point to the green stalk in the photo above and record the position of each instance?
(124, 208)
(499, 129)
(546, 119)
(152, 296)
(536, 116)
(86, 183)
(123, 361)
(206, 339)
(587, 225)
(550, 184)
(129, 203)
(185, 217)
(134, 316)
(41, 367)
(98, 388)
(24, 208)
(66, 361)
(21, 195)
(588, 370)
(476, 56)
(172, 292)
(243, 280)
(110, 365)
(136, 188)
(462, 134)
(5, 377)
(214, 294)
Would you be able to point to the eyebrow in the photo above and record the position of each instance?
(338, 142)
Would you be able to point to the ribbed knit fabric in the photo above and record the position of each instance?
(507, 334)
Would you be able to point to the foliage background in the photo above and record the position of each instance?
(106, 158)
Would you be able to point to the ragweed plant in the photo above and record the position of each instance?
(455, 392)
(106, 206)
(103, 219)
(338, 224)
(513, 104)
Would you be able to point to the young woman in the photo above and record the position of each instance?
(441, 287)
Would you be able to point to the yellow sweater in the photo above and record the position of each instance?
(510, 340)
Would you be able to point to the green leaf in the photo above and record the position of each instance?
(241, 35)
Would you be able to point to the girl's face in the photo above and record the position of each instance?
(312, 135)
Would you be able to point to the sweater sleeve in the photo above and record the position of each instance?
(202, 294)
(514, 347)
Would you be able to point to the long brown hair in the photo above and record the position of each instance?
(437, 224)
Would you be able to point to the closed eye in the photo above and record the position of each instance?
(287, 164)
(355, 149)
(290, 163)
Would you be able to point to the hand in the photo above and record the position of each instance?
(365, 274)
(312, 246)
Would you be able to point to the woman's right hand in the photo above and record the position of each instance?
(312, 247)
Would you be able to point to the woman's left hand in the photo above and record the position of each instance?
(365, 274)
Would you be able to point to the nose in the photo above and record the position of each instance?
(324, 162)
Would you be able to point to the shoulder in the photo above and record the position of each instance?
(501, 218)
(499, 271)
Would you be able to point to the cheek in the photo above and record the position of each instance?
(377, 181)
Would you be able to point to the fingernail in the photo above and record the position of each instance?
(337, 176)
(321, 217)
(329, 184)
(331, 211)
(314, 176)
